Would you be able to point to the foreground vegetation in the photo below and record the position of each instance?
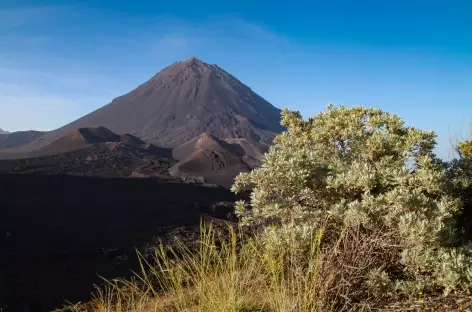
(352, 211)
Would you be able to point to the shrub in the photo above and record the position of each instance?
(353, 208)
(460, 176)
(361, 167)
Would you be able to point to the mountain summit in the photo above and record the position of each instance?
(181, 102)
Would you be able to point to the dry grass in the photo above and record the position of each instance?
(239, 274)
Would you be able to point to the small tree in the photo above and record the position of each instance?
(360, 167)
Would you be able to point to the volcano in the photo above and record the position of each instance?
(181, 102)
(214, 125)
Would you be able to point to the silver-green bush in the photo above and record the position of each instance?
(361, 167)
(459, 172)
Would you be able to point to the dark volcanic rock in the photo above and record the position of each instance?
(59, 233)
(113, 159)
(181, 102)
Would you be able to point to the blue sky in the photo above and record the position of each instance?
(62, 59)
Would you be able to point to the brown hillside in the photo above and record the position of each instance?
(206, 141)
(86, 137)
(250, 149)
(216, 161)
(79, 139)
(215, 167)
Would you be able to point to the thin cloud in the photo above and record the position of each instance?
(172, 42)
(11, 18)
(257, 31)
(177, 35)
(10, 38)
(22, 28)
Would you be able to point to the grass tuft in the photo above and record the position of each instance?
(237, 273)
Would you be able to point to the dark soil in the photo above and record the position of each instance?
(60, 232)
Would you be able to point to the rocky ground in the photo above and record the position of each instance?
(68, 219)
(99, 160)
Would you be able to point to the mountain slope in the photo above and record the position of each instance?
(204, 141)
(19, 138)
(86, 137)
(3, 131)
(216, 161)
(215, 167)
(238, 147)
(182, 101)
